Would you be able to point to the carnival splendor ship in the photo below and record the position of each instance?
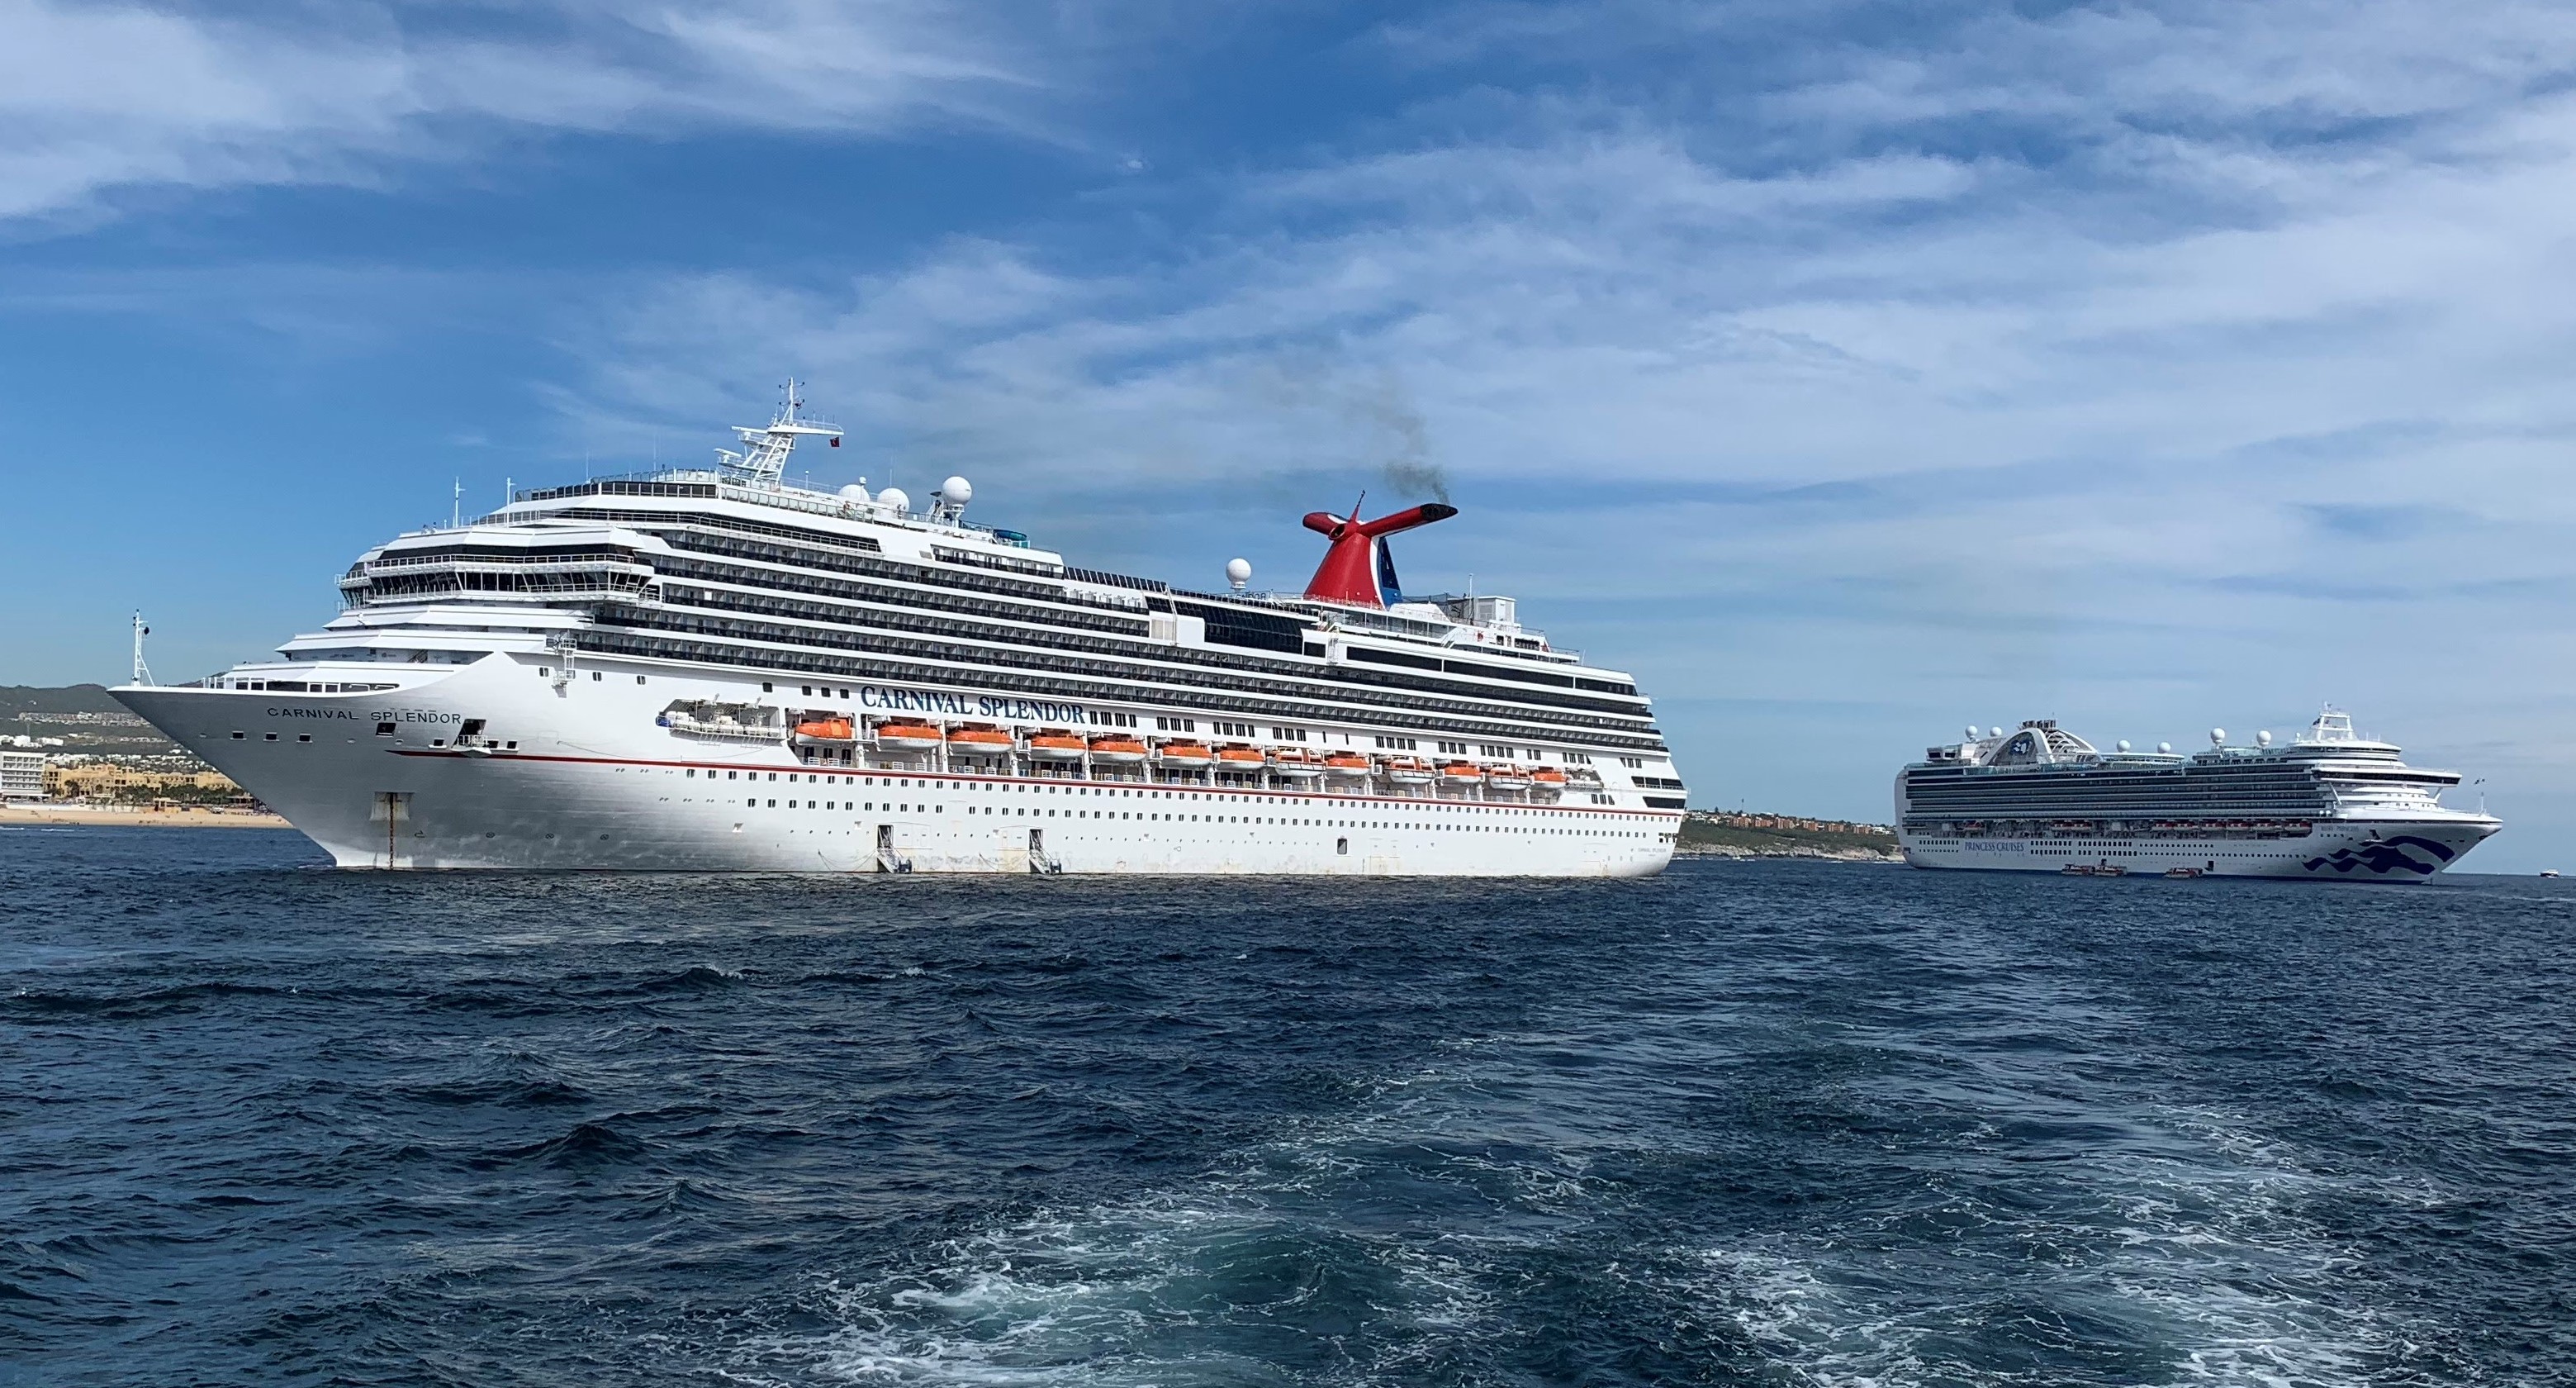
(716, 669)
(2330, 805)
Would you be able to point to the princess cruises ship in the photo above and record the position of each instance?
(2330, 805)
(719, 670)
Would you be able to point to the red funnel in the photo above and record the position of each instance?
(1356, 569)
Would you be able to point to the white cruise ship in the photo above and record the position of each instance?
(2329, 805)
(719, 670)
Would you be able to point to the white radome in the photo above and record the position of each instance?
(895, 500)
(957, 491)
(1238, 572)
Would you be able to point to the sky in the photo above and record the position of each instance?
(1848, 371)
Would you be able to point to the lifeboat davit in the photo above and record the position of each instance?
(826, 730)
(1347, 764)
(1408, 771)
(1118, 748)
(1296, 763)
(1506, 777)
(1055, 744)
(1240, 759)
(1463, 773)
(1187, 756)
(908, 737)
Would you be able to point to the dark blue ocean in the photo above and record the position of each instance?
(1746, 1123)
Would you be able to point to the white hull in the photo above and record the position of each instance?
(595, 784)
(2395, 850)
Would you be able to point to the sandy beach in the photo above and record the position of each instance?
(150, 819)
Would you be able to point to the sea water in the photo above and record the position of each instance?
(1762, 1123)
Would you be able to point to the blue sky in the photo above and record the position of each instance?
(1849, 371)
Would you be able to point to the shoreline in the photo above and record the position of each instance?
(32, 815)
(1828, 855)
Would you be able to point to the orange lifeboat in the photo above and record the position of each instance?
(825, 730)
(1239, 758)
(1185, 756)
(1463, 773)
(1507, 777)
(1408, 771)
(1055, 744)
(1118, 748)
(1347, 764)
(979, 740)
(1547, 780)
(907, 737)
(1296, 763)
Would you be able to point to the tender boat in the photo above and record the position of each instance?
(1184, 756)
(908, 737)
(1055, 744)
(1118, 749)
(1240, 759)
(980, 739)
(1296, 763)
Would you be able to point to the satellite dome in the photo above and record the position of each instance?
(956, 491)
(2124, 744)
(1238, 572)
(893, 499)
(2263, 738)
(2218, 737)
(856, 491)
(2164, 746)
(1972, 732)
(1994, 732)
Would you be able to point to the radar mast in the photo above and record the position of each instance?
(763, 459)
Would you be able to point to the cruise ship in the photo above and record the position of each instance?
(2329, 805)
(718, 669)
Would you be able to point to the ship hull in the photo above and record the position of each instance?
(2377, 850)
(377, 780)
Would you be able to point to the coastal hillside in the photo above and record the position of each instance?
(75, 718)
(1727, 833)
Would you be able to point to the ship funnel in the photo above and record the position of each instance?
(1358, 569)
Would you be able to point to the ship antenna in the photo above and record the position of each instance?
(455, 503)
(142, 672)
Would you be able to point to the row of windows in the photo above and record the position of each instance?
(1259, 630)
(759, 601)
(853, 590)
(627, 632)
(847, 639)
(680, 533)
(441, 583)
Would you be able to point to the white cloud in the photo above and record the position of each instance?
(99, 99)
